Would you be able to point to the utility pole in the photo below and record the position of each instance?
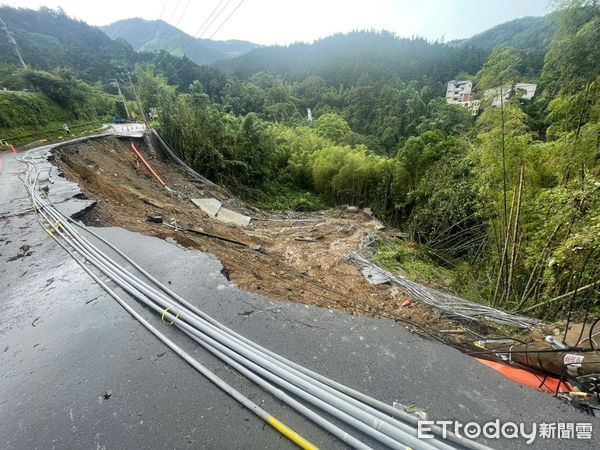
(11, 40)
(122, 97)
(137, 98)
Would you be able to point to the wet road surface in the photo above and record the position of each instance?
(76, 371)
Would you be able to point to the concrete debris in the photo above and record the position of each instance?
(210, 206)
(229, 216)
(352, 209)
(131, 129)
(259, 248)
(374, 275)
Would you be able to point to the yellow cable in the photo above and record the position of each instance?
(165, 312)
(290, 434)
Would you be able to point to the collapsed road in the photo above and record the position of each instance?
(78, 371)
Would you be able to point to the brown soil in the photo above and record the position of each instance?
(313, 271)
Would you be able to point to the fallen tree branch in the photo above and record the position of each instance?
(561, 297)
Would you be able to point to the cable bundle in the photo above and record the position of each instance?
(275, 374)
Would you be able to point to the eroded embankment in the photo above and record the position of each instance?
(311, 270)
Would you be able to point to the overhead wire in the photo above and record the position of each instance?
(166, 53)
(211, 36)
(198, 32)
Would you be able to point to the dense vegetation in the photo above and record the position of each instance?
(39, 103)
(48, 40)
(507, 203)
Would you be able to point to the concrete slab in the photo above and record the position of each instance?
(229, 216)
(210, 206)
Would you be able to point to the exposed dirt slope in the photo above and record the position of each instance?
(312, 271)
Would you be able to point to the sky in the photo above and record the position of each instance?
(282, 22)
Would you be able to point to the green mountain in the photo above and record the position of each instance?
(522, 34)
(49, 38)
(345, 58)
(154, 35)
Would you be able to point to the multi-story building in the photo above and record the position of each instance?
(459, 93)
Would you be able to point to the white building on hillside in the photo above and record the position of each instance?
(459, 93)
(527, 91)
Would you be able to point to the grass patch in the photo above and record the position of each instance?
(408, 259)
(414, 262)
(53, 131)
(276, 197)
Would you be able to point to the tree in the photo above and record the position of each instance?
(573, 60)
(332, 126)
(500, 69)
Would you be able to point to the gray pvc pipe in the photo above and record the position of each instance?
(341, 434)
(363, 417)
(247, 343)
(371, 402)
(138, 291)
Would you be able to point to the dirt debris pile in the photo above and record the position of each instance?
(301, 257)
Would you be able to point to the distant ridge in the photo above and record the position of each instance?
(153, 35)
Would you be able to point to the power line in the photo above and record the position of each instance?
(162, 11)
(211, 36)
(173, 63)
(216, 17)
(183, 12)
(137, 97)
(169, 22)
(228, 17)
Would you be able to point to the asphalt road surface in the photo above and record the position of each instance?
(77, 371)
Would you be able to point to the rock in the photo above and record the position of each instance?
(352, 209)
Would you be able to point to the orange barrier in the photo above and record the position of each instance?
(147, 165)
(526, 378)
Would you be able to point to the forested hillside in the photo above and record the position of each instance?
(505, 204)
(527, 33)
(345, 58)
(156, 35)
(49, 39)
